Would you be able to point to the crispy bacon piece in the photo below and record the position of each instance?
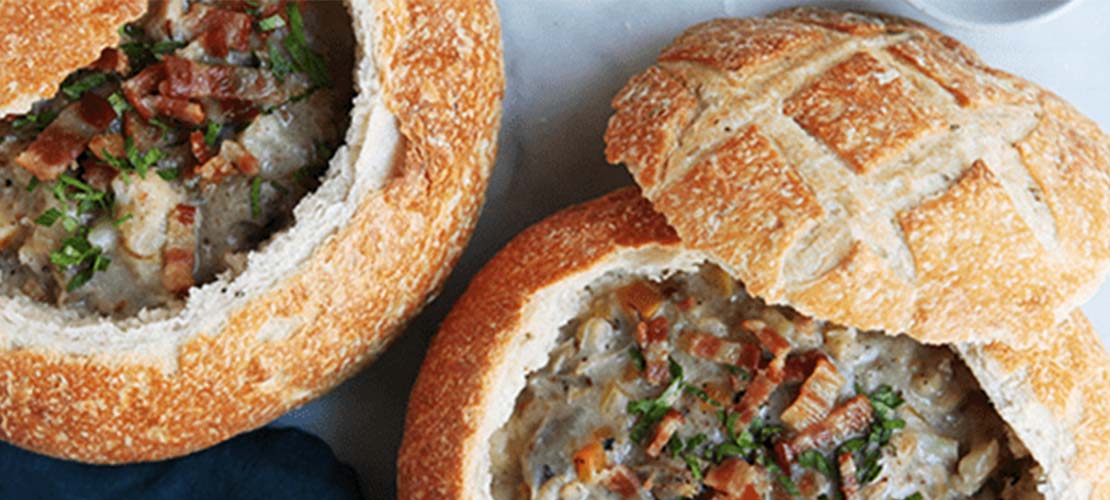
(738, 479)
(589, 460)
(192, 80)
(666, 428)
(816, 397)
(215, 169)
(145, 135)
(107, 144)
(652, 337)
(639, 300)
(179, 254)
(113, 60)
(97, 173)
(770, 339)
(851, 418)
(849, 486)
(243, 160)
(198, 147)
(712, 347)
(799, 367)
(759, 391)
(65, 138)
(622, 481)
(143, 85)
(181, 109)
(750, 358)
(219, 30)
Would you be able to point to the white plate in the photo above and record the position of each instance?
(992, 14)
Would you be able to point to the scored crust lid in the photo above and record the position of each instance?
(868, 170)
(1055, 396)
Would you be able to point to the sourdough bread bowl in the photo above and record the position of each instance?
(525, 394)
(847, 223)
(320, 167)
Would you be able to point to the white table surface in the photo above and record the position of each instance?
(565, 59)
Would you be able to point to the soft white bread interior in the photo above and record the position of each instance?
(1054, 396)
(318, 300)
(871, 171)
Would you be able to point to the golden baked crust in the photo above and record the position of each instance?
(34, 64)
(441, 77)
(462, 393)
(871, 171)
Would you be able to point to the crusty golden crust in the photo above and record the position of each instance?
(446, 427)
(441, 76)
(446, 403)
(903, 185)
(45, 41)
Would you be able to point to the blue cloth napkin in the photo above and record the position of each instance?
(270, 463)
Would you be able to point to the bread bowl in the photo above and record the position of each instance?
(749, 328)
(491, 377)
(208, 329)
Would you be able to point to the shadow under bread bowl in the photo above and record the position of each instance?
(594, 355)
(275, 314)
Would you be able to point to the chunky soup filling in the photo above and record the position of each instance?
(161, 164)
(690, 388)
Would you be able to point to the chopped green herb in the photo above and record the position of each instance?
(852, 446)
(675, 446)
(304, 59)
(651, 410)
(70, 224)
(119, 221)
(34, 184)
(915, 496)
(129, 30)
(165, 127)
(694, 463)
(75, 89)
(134, 160)
(271, 23)
(279, 187)
(701, 394)
(693, 443)
(256, 194)
(119, 103)
(169, 174)
(870, 468)
(280, 65)
(167, 47)
(212, 133)
(818, 462)
(49, 217)
(38, 120)
(637, 358)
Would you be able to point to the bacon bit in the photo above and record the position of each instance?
(816, 397)
(142, 85)
(220, 29)
(112, 144)
(243, 159)
(759, 391)
(181, 109)
(215, 169)
(191, 80)
(737, 383)
(66, 137)
(666, 428)
(111, 59)
(639, 300)
(199, 148)
(770, 339)
(623, 482)
(652, 337)
(711, 347)
(799, 367)
(848, 484)
(178, 257)
(685, 304)
(145, 135)
(589, 460)
(848, 419)
(97, 173)
(738, 479)
(750, 358)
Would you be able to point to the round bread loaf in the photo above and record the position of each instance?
(871, 171)
(504, 328)
(319, 299)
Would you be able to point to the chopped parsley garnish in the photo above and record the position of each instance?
(694, 463)
(701, 394)
(818, 462)
(280, 65)
(867, 452)
(33, 185)
(652, 410)
(212, 133)
(637, 358)
(169, 174)
(37, 120)
(119, 103)
(165, 127)
(271, 23)
(49, 217)
(76, 251)
(119, 221)
(133, 160)
(256, 195)
(85, 84)
(303, 58)
(915, 496)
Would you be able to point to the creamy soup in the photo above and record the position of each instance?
(690, 388)
(157, 167)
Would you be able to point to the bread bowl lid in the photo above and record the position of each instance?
(870, 171)
(72, 36)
